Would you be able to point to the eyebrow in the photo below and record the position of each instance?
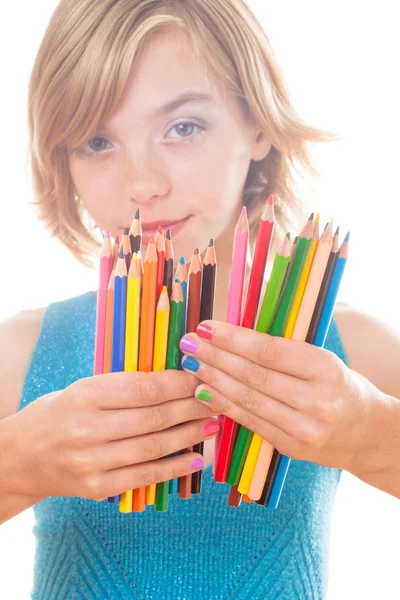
(184, 98)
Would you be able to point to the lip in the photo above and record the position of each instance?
(149, 228)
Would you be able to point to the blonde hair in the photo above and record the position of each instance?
(80, 73)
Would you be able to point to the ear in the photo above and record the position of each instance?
(261, 146)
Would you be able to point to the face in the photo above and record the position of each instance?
(175, 147)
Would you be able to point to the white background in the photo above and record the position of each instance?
(340, 59)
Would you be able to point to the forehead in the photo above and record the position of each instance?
(166, 67)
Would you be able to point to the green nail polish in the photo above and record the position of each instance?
(204, 395)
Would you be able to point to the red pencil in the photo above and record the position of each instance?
(263, 243)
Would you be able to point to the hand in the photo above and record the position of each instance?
(300, 398)
(103, 435)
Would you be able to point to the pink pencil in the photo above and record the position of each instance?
(226, 437)
(106, 265)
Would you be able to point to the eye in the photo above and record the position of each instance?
(97, 144)
(185, 129)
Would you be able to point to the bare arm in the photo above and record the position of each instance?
(373, 350)
(18, 337)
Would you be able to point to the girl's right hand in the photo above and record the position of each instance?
(103, 435)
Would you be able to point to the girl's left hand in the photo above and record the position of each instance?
(300, 398)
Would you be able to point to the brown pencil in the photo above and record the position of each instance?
(169, 262)
(206, 313)
(192, 320)
(135, 233)
(126, 245)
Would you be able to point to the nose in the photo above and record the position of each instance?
(145, 177)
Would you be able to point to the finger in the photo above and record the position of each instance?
(291, 390)
(239, 396)
(293, 357)
(117, 481)
(153, 445)
(130, 389)
(131, 422)
(279, 438)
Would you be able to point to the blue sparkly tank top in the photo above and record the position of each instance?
(201, 548)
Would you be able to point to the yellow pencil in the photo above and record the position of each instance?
(249, 465)
(303, 281)
(159, 359)
(131, 345)
(132, 315)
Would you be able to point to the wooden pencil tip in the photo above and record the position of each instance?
(288, 235)
(151, 240)
(182, 260)
(346, 239)
(211, 243)
(271, 199)
(121, 252)
(196, 251)
(168, 234)
(137, 214)
(317, 218)
(126, 231)
(116, 239)
(160, 229)
(311, 217)
(337, 231)
(107, 234)
(243, 211)
(164, 289)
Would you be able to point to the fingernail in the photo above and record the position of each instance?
(191, 363)
(197, 464)
(204, 395)
(204, 331)
(211, 428)
(188, 344)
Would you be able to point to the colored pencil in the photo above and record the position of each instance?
(224, 445)
(169, 262)
(135, 233)
(133, 315)
(294, 311)
(248, 445)
(192, 320)
(313, 285)
(109, 324)
(160, 247)
(118, 340)
(206, 313)
(261, 253)
(159, 363)
(333, 290)
(106, 265)
(182, 274)
(126, 244)
(319, 305)
(116, 247)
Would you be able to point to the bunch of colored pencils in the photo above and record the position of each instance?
(142, 313)
(298, 304)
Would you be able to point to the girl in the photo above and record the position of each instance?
(179, 109)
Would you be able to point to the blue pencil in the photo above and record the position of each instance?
(118, 339)
(319, 341)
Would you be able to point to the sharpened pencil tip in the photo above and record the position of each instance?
(182, 260)
(151, 240)
(168, 234)
(107, 234)
(196, 251)
(160, 229)
(116, 239)
(137, 214)
(121, 253)
(346, 239)
(243, 211)
(288, 235)
(337, 231)
(126, 231)
(311, 217)
(271, 199)
(211, 243)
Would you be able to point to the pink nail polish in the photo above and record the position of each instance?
(204, 331)
(188, 345)
(197, 464)
(211, 428)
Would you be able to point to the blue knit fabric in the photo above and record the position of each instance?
(201, 548)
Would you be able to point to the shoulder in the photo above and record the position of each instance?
(18, 336)
(372, 347)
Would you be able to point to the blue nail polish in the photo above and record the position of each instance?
(191, 363)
